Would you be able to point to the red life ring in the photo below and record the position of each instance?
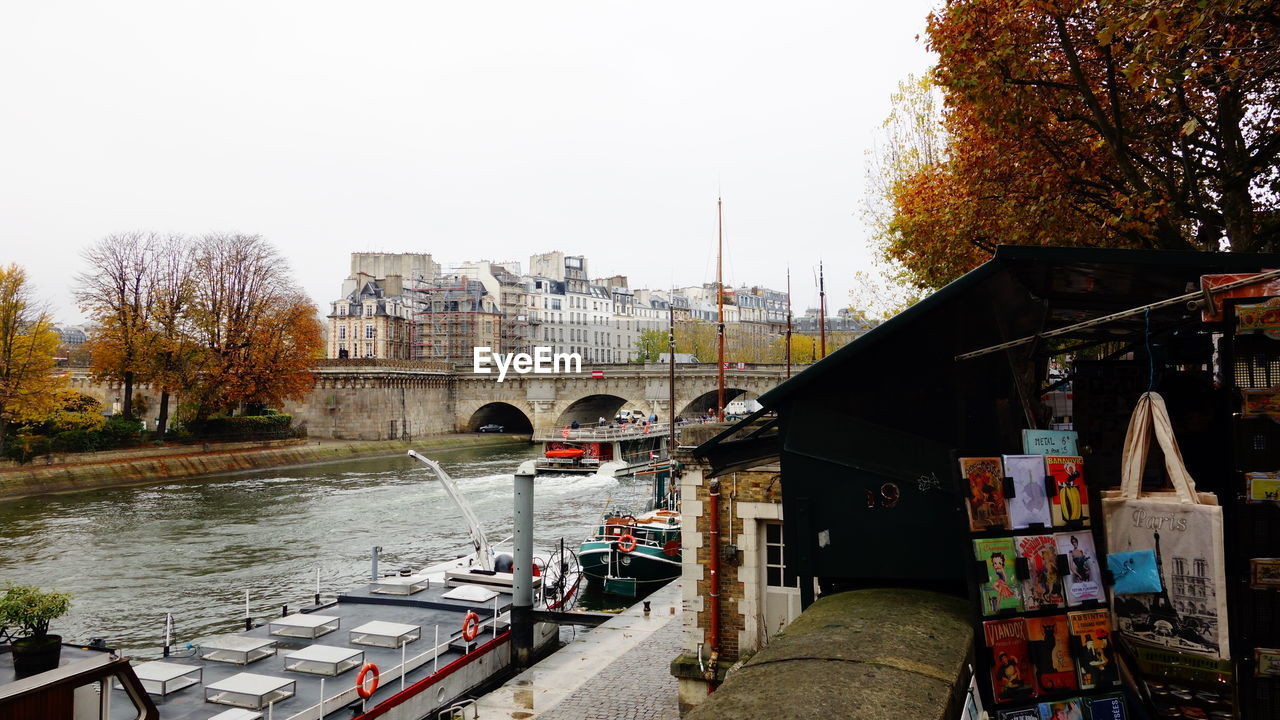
(361, 690)
(470, 626)
(564, 433)
(627, 543)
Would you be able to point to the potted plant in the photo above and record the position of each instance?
(28, 610)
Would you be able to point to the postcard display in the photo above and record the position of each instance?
(1251, 350)
(1043, 631)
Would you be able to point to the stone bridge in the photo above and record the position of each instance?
(363, 399)
(366, 399)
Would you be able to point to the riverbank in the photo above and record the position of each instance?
(72, 473)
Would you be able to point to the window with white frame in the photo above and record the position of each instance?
(776, 572)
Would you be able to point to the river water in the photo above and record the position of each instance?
(192, 548)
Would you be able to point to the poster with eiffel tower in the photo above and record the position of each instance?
(1187, 614)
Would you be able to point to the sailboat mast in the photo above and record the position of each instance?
(788, 322)
(822, 309)
(720, 309)
(671, 374)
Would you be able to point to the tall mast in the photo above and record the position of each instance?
(822, 309)
(788, 322)
(720, 309)
(671, 374)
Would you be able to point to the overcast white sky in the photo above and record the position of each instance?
(469, 130)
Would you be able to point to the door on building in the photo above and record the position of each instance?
(781, 585)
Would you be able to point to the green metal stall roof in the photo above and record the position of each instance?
(1038, 288)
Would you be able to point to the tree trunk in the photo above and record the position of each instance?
(128, 393)
(162, 420)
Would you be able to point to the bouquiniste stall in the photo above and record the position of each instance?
(870, 442)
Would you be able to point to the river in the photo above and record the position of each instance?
(192, 548)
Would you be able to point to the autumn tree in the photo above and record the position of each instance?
(257, 330)
(115, 292)
(27, 345)
(1117, 123)
(172, 356)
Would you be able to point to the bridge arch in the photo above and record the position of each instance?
(700, 405)
(511, 418)
(588, 409)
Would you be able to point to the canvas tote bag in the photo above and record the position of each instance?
(1184, 529)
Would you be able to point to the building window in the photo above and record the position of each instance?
(369, 333)
(776, 572)
(342, 332)
(368, 350)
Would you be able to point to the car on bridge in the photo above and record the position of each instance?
(491, 428)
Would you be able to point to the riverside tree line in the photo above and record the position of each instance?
(216, 320)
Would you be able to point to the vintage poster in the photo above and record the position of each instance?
(1030, 713)
(1259, 317)
(984, 479)
(1068, 709)
(1001, 590)
(1049, 645)
(1010, 667)
(1042, 588)
(1084, 578)
(1091, 649)
(1070, 501)
(1263, 487)
(1266, 662)
(1257, 403)
(1264, 573)
(1030, 503)
(1049, 442)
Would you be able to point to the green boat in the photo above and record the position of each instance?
(633, 555)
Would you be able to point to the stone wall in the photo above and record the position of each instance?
(876, 654)
(376, 404)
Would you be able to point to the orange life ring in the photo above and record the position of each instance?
(470, 626)
(627, 543)
(366, 692)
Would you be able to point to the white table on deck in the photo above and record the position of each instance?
(302, 625)
(381, 633)
(400, 584)
(237, 714)
(336, 660)
(159, 674)
(253, 691)
(250, 649)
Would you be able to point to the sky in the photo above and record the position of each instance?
(469, 130)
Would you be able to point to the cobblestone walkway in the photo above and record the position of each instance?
(636, 686)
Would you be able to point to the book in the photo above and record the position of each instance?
(1042, 587)
(1084, 578)
(1068, 709)
(1029, 504)
(1028, 713)
(1010, 667)
(1000, 591)
(1049, 442)
(985, 481)
(1049, 645)
(1107, 707)
(1070, 503)
(1264, 573)
(1091, 649)
(1263, 487)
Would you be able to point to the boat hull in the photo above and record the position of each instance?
(650, 566)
